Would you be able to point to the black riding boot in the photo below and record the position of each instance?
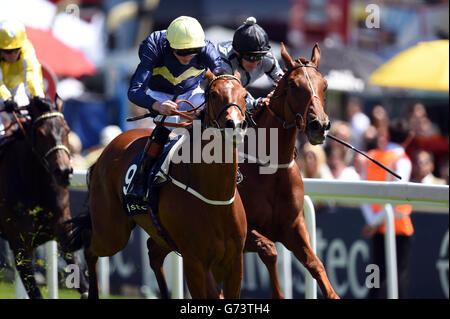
(138, 186)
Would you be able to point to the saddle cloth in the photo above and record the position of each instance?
(157, 176)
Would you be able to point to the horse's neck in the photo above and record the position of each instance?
(286, 138)
(37, 184)
(214, 180)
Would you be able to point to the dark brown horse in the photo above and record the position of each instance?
(35, 172)
(205, 224)
(274, 202)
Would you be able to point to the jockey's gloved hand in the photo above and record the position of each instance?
(10, 106)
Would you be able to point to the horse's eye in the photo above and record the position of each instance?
(40, 133)
(214, 94)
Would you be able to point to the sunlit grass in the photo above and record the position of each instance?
(7, 291)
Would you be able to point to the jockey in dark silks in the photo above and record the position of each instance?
(250, 54)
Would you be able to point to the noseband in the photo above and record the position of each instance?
(43, 158)
(214, 119)
(302, 126)
(55, 148)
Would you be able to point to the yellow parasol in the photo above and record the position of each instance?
(424, 66)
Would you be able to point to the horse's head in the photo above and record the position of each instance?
(49, 137)
(305, 88)
(225, 104)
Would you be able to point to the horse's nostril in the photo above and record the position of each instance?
(314, 125)
(63, 173)
(230, 124)
(243, 125)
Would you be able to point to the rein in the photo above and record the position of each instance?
(42, 158)
(286, 125)
(214, 119)
(302, 127)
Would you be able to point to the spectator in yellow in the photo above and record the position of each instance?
(20, 70)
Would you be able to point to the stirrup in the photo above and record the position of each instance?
(138, 189)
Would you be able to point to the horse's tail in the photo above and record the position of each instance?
(89, 175)
(77, 237)
(80, 225)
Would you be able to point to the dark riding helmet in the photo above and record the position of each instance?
(250, 38)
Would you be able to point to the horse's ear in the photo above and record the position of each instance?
(288, 62)
(209, 75)
(237, 74)
(315, 56)
(58, 103)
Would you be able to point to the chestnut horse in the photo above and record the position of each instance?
(35, 172)
(274, 202)
(205, 220)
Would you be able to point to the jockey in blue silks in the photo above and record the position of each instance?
(171, 61)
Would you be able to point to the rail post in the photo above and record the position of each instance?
(177, 277)
(51, 256)
(390, 253)
(287, 272)
(310, 219)
(19, 288)
(103, 275)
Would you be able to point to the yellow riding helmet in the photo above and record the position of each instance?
(12, 35)
(185, 33)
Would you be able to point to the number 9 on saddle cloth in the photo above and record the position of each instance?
(157, 176)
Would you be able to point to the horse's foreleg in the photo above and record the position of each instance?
(195, 273)
(298, 241)
(91, 260)
(212, 289)
(23, 257)
(266, 250)
(156, 255)
(233, 279)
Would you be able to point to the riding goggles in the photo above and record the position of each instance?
(253, 57)
(186, 52)
(10, 51)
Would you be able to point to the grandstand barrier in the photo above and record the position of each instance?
(347, 192)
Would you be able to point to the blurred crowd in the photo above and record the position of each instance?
(426, 145)
(85, 158)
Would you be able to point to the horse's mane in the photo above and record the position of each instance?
(301, 60)
(43, 104)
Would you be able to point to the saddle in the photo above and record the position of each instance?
(157, 177)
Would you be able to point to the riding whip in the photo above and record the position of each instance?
(362, 153)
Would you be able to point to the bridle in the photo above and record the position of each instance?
(214, 119)
(43, 158)
(298, 115)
